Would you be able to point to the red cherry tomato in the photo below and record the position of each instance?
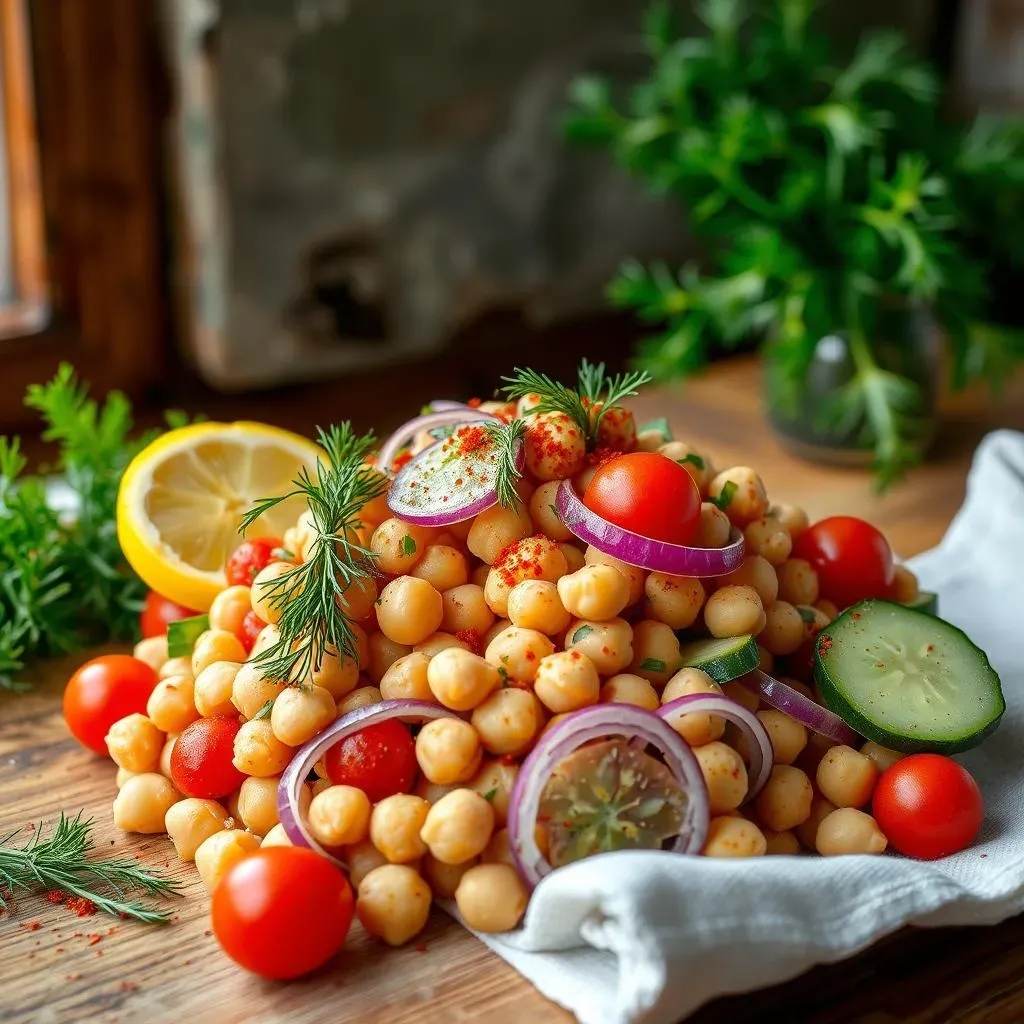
(159, 612)
(103, 691)
(201, 762)
(252, 626)
(249, 559)
(380, 760)
(281, 912)
(647, 493)
(852, 559)
(928, 806)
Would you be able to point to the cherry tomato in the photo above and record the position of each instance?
(380, 760)
(281, 912)
(647, 493)
(249, 559)
(852, 559)
(103, 691)
(159, 612)
(201, 758)
(928, 806)
(252, 626)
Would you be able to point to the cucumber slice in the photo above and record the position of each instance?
(926, 602)
(724, 659)
(906, 679)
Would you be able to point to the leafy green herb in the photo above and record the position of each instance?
(724, 500)
(508, 437)
(695, 459)
(555, 512)
(264, 712)
(805, 613)
(491, 793)
(503, 673)
(182, 635)
(62, 862)
(652, 665)
(408, 545)
(581, 634)
(282, 555)
(659, 426)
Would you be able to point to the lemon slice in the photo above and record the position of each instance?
(182, 499)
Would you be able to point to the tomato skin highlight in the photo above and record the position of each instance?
(252, 626)
(281, 912)
(648, 494)
(159, 612)
(103, 691)
(249, 559)
(201, 759)
(380, 760)
(852, 558)
(928, 806)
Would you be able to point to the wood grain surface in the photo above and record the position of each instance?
(58, 974)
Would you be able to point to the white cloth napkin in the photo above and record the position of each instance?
(651, 937)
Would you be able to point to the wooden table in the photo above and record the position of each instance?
(153, 975)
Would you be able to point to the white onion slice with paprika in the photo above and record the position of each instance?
(645, 552)
(428, 421)
(601, 721)
(290, 787)
(784, 698)
(758, 741)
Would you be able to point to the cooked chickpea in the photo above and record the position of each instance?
(738, 691)
(491, 898)
(360, 697)
(276, 837)
(384, 652)
(360, 858)
(608, 645)
(213, 689)
(408, 610)
(518, 652)
(170, 706)
(626, 688)
(406, 679)
(461, 680)
(358, 598)
(573, 556)
(499, 850)
(567, 681)
(495, 529)
(783, 630)
(883, 757)
(153, 651)
(395, 824)
(393, 903)
(655, 651)
(544, 512)
(250, 691)
(788, 736)
(190, 821)
(905, 588)
(448, 750)
(398, 545)
(755, 572)
(494, 782)
(437, 642)
(765, 658)
(651, 440)
(817, 747)
(265, 597)
(134, 742)
(268, 637)
(508, 720)
(848, 830)
(554, 445)
(701, 727)
(165, 755)
(827, 608)
(258, 751)
(534, 557)
(216, 645)
(220, 851)
(769, 539)
(299, 713)
(444, 878)
(780, 843)
(256, 804)
(713, 529)
(798, 582)
(594, 592)
(478, 576)
(749, 501)
(458, 826)
(674, 600)
(536, 605)
(847, 777)
(142, 803)
(443, 567)
(785, 801)
(696, 464)
(175, 667)
(725, 775)
(807, 832)
(229, 608)
(636, 577)
(123, 775)
(793, 519)
(337, 674)
(734, 837)
(433, 791)
(464, 608)
(733, 611)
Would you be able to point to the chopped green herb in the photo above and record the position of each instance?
(696, 460)
(659, 425)
(264, 712)
(724, 500)
(503, 673)
(652, 665)
(554, 512)
(807, 614)
(426, 410)
(491, 793)
(581, 634)
(408, 545)
(182, 635)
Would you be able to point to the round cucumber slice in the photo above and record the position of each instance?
(906, 679)
(724, 659)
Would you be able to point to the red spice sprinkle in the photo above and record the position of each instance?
(32, 926)
(32, 956)
(575, 655)
(825, 645)
(31, 827)
(127, 986)
(72, 977)
(60, 949)
(93, 939)
(854, 615)
(81, 906)
(930, 648)
(207, 932)
(530, 656)
(475, 403)
(54, 896)
(472, 639)
(99, 952)
(421, 948)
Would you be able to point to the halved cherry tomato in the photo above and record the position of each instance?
(281, 912)
(852, 558)
(103, 691)
(380, 760)
(928, 806)
(249, 559)
(647, 493)
(201, 759)
(159, 612)
(252, 626)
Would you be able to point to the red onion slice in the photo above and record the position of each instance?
(599, 722)
(428, 421)
(784, 698)
(644, 552)
(306, 757)
(761, 755)
(447, 405)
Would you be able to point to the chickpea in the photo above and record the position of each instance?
(256, 804)
(554, 445)
(437, 642)
(713, 529)
(229, 608)
(219, 851)
(544, 512)
(749, 501)
(360, 697)
(827, 608)
(265, 596)
(499, 627)
(847, 777)
(268, 637)
(478, 576)
(338, 674)
(170, 706)
(848, 830)
(725, 776)
(765, 658)
(190, 821)
(153, 651)
(258, 751)
(123, 775)
(442, 567)
(318, 787)
(636, 577)
(905, 588)
(494, 782)
(498, 850)
(444, 878)
(798, 582)
(250, 691)
(701, 727)
(594, 592)
(651, 440)
(755, 572)
(165, 755)
(142, 803)
(432, 791)
(384, 652)
(491, 898)
(299, 714)
(574, 559)
(461, 680)
(398, 545)
(567, 681)
(360, 859)
(817, 747)
(769, 539)
(793, 519)
(458, 826)
(691, 460)
(807, 832)
(780, 843)
(788, 736)
(655, 651)
(175, 667)
(783, 630)
(626, 688)
(395, 824)
(733, 611)
(608, 645)
(532, 558)
(518, 652)
(276, 837)
(785, 801)
(734, 837)
(134, 742)
(376, 510)
(536, 605)
(216, 645)
(883, 757)
(393, 903)
(406, 679)
(742, 694)
(508, 720)
(358, 598)
(409, 610)
(448, 750)
(674, 600)
(362, 646)
(495, 529)
(464, 608)
(213, 688)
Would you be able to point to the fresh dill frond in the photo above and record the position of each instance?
(554, 396)
(311, 596)
(508, 438)
(604, 393)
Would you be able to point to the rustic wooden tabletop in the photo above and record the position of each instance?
(58, 968)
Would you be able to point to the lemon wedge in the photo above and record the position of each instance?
(182, 498)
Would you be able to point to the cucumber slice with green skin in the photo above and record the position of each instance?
(724, 659)
(906, 679)
(926, 602)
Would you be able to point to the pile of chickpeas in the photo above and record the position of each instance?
(506, 617)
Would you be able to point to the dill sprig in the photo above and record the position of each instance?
(587, 404)
(62, 862)
(311, 596)
(508, 439)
